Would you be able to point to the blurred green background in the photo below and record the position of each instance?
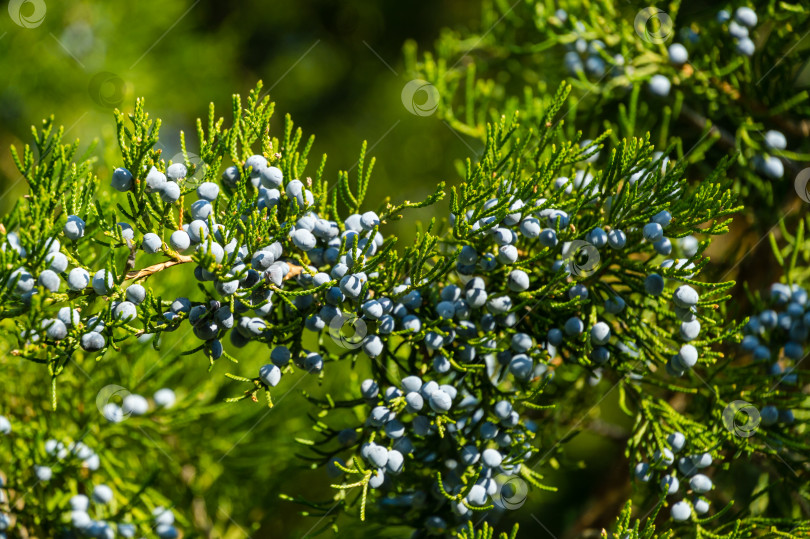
(337, 69)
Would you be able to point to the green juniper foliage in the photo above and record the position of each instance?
(570, 261)
(715, 80)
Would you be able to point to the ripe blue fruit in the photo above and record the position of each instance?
(660, 85)
(597, 237)
(165, 397)
(502, 409)
(169, 192)
(700, 483)
(155, 180)
(745, 16)
(372, 346)
(600, 333)
(703, 460)
(125, 311)
(617, 239)
(74, 227)
(68, 316)
(57, 262)
(663, 246)
(614, 304)
(530, 227)
(491, 458)
(574, 326)
(55, 329)
(395, 461)
(176, 171)
(121, 180)
(775, 140)
(136, 293)
(151, 243)
(440, 401)
(197, 230)
(548, 237)
(126, 231)
(50, 280)
(304, 239)
(517, 281)
(351, 285)
(270, 375)
(369, 220)
(664, 456)
(411, 383)
(681, 511)
(255, 164)
(92, 341)
(769, 415)
(271, 177)
(102, 494)
(685, 296)
(578, 289)
(201, 210)
(687, 357)
(676, 441)
(555, 336)
(771, 166)
(164, 531)
(521, 366)
(179, 240)
(521, 342)
(208, 191)
(412, 323)
(231, 176)
(701, 505)
(678, 54)
(135, 404)
(670, 484)
(653, 232)
(690, 330)
(507, 254)
(654, 284)
(79, 502)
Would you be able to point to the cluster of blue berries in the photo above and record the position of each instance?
(428, 423)
(62, 457)
(137, 405)
(738, 27)
(673, 476)
(776, 337)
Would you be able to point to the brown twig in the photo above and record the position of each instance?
(150, 270)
